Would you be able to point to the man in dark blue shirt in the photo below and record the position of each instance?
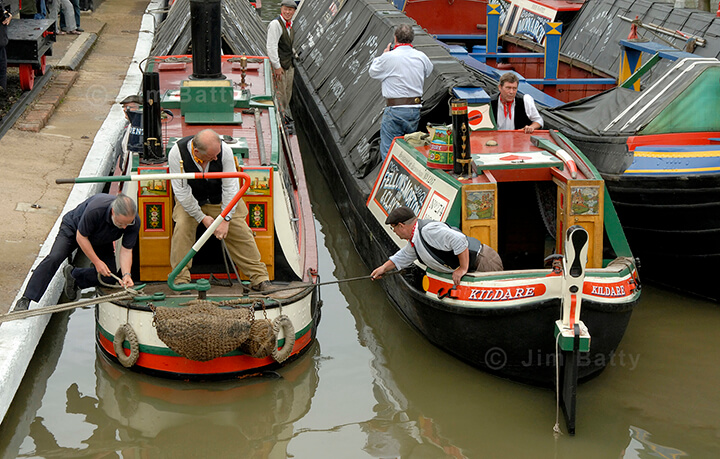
(92, 226)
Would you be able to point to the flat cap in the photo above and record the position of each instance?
(399, 215)
(289, 3)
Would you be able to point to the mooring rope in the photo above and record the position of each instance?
(126, 294)
(15, 315)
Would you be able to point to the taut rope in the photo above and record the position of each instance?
(65, 306)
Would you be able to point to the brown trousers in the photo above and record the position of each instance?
(240, 242)
(488, 260)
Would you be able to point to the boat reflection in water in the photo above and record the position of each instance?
(158, 417)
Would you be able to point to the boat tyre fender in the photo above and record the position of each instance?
(283, 322)
(126, 332)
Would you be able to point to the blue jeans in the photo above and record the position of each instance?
(396, 122)
(76, 12)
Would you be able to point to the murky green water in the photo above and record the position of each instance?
(372, 387)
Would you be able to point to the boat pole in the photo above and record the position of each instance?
(202, 285)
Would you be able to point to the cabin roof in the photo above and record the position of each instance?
(683, 100)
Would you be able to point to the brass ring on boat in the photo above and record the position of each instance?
(126, 332)
(283, 322)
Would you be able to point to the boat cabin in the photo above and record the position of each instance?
(240, 109)
(522, 193)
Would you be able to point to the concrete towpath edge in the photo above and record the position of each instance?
(18, 339)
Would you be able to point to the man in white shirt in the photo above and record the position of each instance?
(438, 246)
(279, 44)
(402, 70)
(202, 200)
(512, 112)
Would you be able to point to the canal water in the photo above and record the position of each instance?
(372, 387)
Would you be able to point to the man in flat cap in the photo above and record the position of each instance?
(280, 37)
(438, 246)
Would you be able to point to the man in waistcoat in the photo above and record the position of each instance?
(438, 246)
(402, 70)
(201, 201)
(512, 112)
(279, 46)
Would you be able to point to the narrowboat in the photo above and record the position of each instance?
(214, 327)
(533, 198)
(662, 178)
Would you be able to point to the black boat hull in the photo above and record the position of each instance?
(673, 226)
(511, 342)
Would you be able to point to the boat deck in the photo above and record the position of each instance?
(175, 70)
(280, 291)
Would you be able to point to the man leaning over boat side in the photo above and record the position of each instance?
(515, 112)
(438, 246)
(202, 200)
(279, 44)
(402, 70)
(93, 226)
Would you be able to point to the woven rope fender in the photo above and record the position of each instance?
(262, 341)
(283, 322)
(126, 332)
(202, 331)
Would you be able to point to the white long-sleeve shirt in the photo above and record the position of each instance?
(509, 123)
(402, 71)
(437, 234)
(182, 190)
(274, 32)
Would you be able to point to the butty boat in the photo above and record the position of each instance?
(214, 327)
(529, 197)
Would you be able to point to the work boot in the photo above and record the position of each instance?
(71, 290)
(263, 286)
(22, 304)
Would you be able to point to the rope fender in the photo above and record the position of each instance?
(283, 322)
(126, 332)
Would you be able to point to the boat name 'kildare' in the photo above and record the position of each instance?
(614, 291)
(501, 294)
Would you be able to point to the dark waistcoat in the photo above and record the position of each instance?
(208, 191)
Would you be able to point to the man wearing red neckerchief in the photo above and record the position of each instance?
(512, 112)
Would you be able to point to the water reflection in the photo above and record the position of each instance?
(19, 419)
(128, 414)
(172, 418)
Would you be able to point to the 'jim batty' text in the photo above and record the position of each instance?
(620, 358)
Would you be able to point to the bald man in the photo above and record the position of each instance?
(202, 200)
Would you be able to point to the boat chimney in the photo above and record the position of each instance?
(152, 124)
(205, 27)
(461, 137)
